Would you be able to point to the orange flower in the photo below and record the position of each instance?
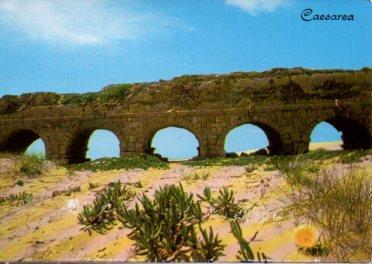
(305, 236)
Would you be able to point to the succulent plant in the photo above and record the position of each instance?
(23, 197)
(224, 204)
(164, 228)
(209, 248)
(101, 215)
(245, 253)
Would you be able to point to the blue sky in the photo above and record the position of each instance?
(80, 46)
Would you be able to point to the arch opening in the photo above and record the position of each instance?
(350, 133)
(36, 148)
(93, 144)
(174, 144)
(325, 136)
(103, 144)
(252, 138)
(24, 141)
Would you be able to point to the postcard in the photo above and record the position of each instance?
(185, 131)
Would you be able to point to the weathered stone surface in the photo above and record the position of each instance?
(286, 104)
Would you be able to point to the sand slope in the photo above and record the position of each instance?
(47, 228)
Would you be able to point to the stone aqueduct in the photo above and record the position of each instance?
(285, 104)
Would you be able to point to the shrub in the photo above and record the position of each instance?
(66, 192)
(353, 156)
(250, 168)
(115, 93)
(138, 184)
(93, 185)
(196, 176)
(164, 229)
(340, 207)
(23, 197)
(239, 161)
(224, 204)
(19, 182)
(296, 169)
(98, 217)
(101, 215)
(245, 253)
(346, 156)
(209, 248)
(31, 164)
(142, 161)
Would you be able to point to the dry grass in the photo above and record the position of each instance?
(31, 165)
(340, 206)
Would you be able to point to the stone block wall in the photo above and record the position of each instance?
(199, 105)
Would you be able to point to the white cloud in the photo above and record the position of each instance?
(254, 7)
(82, 22)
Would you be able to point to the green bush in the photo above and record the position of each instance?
(224, 204)
(346, 156)
(101, 215)
(167, 227)
(196, 176)
(164, 228)
(353, 156)
(142, 161)
(98, 217)
(114, 93)
(209, 248)
(296, 169)
(239, 161)
(23, 197)
(31, 164)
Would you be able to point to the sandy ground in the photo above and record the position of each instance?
(336, 145)
(47, 228)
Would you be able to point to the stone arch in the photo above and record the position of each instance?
(354, 134)
(77, 146)
(154, 131)
(17, 141)
(273, 136)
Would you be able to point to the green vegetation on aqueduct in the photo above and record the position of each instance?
(193, 91)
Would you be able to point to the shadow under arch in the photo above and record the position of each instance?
(19, 140)
(174, 143)
(275, 145)
(354, 134)
(78, 146)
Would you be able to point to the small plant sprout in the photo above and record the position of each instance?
(66, 192)
(19, 182)
(250, 168)
(22, 197)
(197, 176)
(93, 185)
